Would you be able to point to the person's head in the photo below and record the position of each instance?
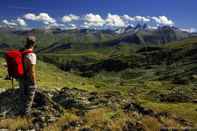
(30, 42)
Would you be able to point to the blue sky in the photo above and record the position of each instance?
(181, 12)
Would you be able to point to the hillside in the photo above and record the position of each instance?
(162, 59)
(139, 86)
(144, 104)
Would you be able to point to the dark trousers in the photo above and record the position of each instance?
(27, 90)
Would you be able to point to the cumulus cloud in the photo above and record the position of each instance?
(70, 18)
(136, 18)
(152, 27)
(71, 27)
(21, 22)
(128, 18)
(93, 20)
(55, 25)
(114, 21)
(163, 20)
(14, 23)
(9, 23)
(42, 17)
(46, 18)
(90, 20)
(30, 16)
(141, 19)
(190, 30)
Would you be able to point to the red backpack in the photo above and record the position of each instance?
(14, 59)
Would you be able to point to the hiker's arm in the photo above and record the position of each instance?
(33, 73)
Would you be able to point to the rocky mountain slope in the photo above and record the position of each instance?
(89, 38)
(106, 82)
(91, 111)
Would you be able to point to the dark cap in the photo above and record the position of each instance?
(31, 42)
(31, 38)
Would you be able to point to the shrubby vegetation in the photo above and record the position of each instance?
(145, 86)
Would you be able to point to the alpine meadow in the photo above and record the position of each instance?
(98, 72)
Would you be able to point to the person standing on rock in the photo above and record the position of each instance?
(28, 82)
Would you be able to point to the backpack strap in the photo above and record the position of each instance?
(26, 52)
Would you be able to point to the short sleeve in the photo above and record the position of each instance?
(32, 58)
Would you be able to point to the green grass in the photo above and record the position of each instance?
(144, 83)
(184, 110)
(189, 42)
(49, 77)
(4, 84)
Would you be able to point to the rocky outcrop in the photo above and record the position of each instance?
(49, 107)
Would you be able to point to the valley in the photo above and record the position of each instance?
(90, 80)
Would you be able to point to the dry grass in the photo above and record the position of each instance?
(118, 124)
(68, 117)
(104, 118)
(15, 123)
(151, 124)
(171, 123)
(97, 115)
(97, 119)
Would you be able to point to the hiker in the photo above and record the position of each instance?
(27, 83)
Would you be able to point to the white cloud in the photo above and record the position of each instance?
(163, 20)
(93, 20)
(9, 23)
(190, 30)
(141, 19)
(152, 27)
(21, 22)
(128, 18)
(71, 27)
(114, 21)
(70, 18)
(55, 25)
(42, 17)
(46, 18)
(136, 18)
(30, 16)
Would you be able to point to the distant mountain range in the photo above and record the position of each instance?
(54, 39)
